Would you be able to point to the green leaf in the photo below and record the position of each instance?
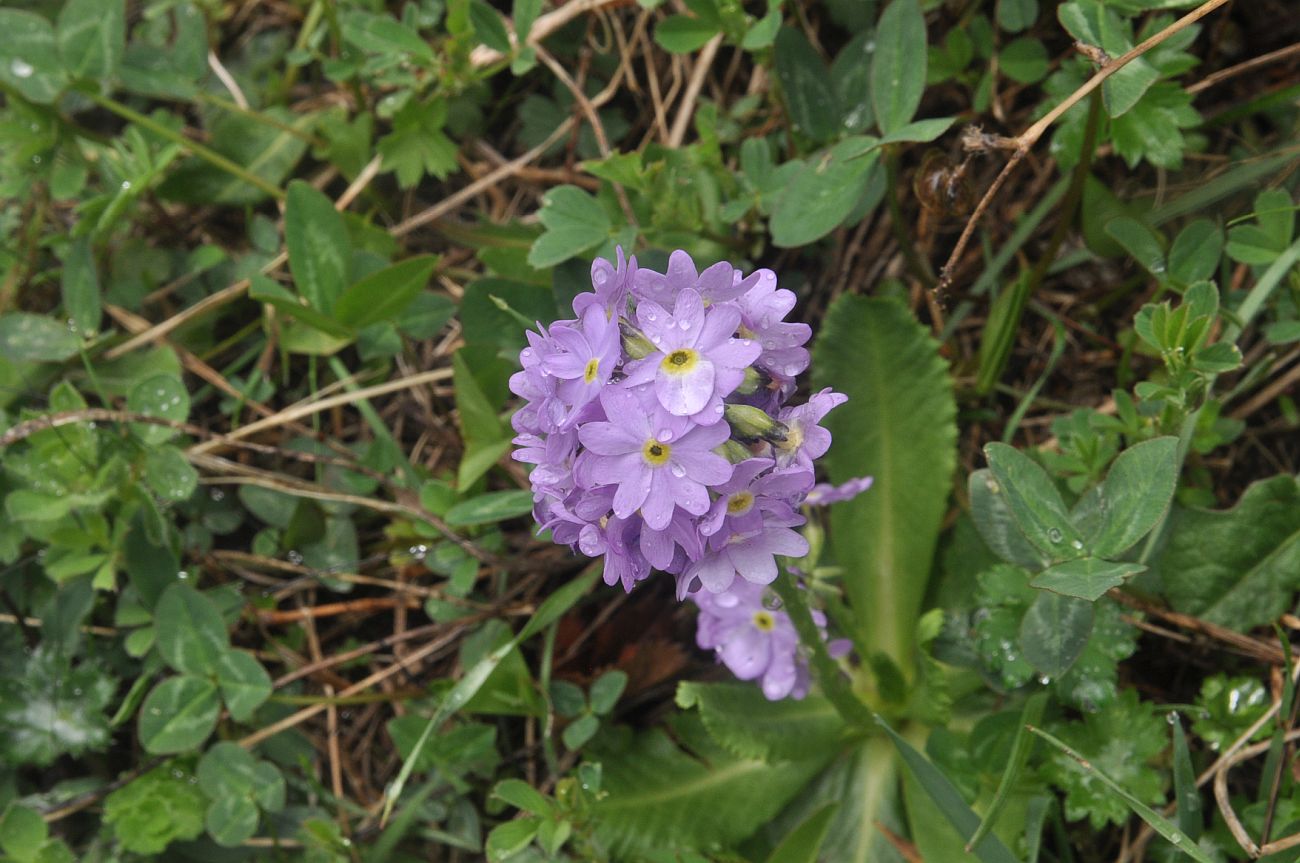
(244, 683)
(1135, 494)
(1086, 578)
(1135, 804)
(1141, 242)
(161, 396)
(169, 474)
(898, 426)
(318, 245)
(523, 796)
(898, 67)
(606, 690)
(822, 193)
(417, 145)
(809, 99)
(575, 222)
(508, 839)
(948, 800)
(22, 833)
(29, 56)
(155, 809)
(489, 27)
(268, 291)
(491, 507)
(267, 151)
(1016, 15)
(851, 82)
(227, 769)
(579, 731)
(486, 439)
(996, 523)
(191, 634)
(385, 295)
(1024, 60)
(1055, 631)
(231, 820)
(1021, 746)
(682, 34)
(92, 37)
(1237, 567)
(384, 35)
(25, 337)
(804, 842)
(178, 714)
(1186, 794)
(660, 797)
(1034, 502)
(745, 723)
(81, 287)
(1196, 251)
(918, 131)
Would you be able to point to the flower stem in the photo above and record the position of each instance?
(853, 711)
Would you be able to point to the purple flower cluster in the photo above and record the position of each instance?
(755, 639)
(658, 424)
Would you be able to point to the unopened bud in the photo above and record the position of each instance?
(749, 423)
(733, 451)
(754, 380)
(635, 344)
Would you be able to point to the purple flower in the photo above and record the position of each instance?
(613, 283)
(658, 461)
(584, 358)
(825, 494)
(750, 554)
(697, 362)
(763, 309)
(755, 642)
(718, 283)
(806, 439)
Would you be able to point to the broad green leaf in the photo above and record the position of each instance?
(660, 797)
(1133, 497)
(1034, 502)
(25, 337)
(384, 35)
(27, 505)
(948, 800)
(809, 99)
(161, 396)
(508, 839)
(898, 426)
(745, 723)
(385, 295)
(918, 131)
(1238, 567)
(92, 37)
(682, 34)
(578, 732)
(996, 524)
(898, 67)
(244, 683)
(1086, 578)
(1141, 242)
(851, 83)
(191, 633)
(1094, 24)
(178, 714)
(491, 507)
(81, 299)
(606, 691)
(822, 193)
(231, 820)
(1055, 631)
(29, 56)
(227, 769)
(486, 439)
(804, 842)
(319, 250)
(575, 222)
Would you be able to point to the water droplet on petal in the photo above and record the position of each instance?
(664, 436)
(678, 470)
(651, 316)
(684, 324)
(598, 278)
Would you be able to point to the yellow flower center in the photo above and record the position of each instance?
(740, 503)
(655, 453)
(592, 369)
(680, 361)
(764, 621)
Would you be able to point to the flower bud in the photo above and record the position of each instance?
(733, 451)
(754, 380)
(749, 423)
(634, 341)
